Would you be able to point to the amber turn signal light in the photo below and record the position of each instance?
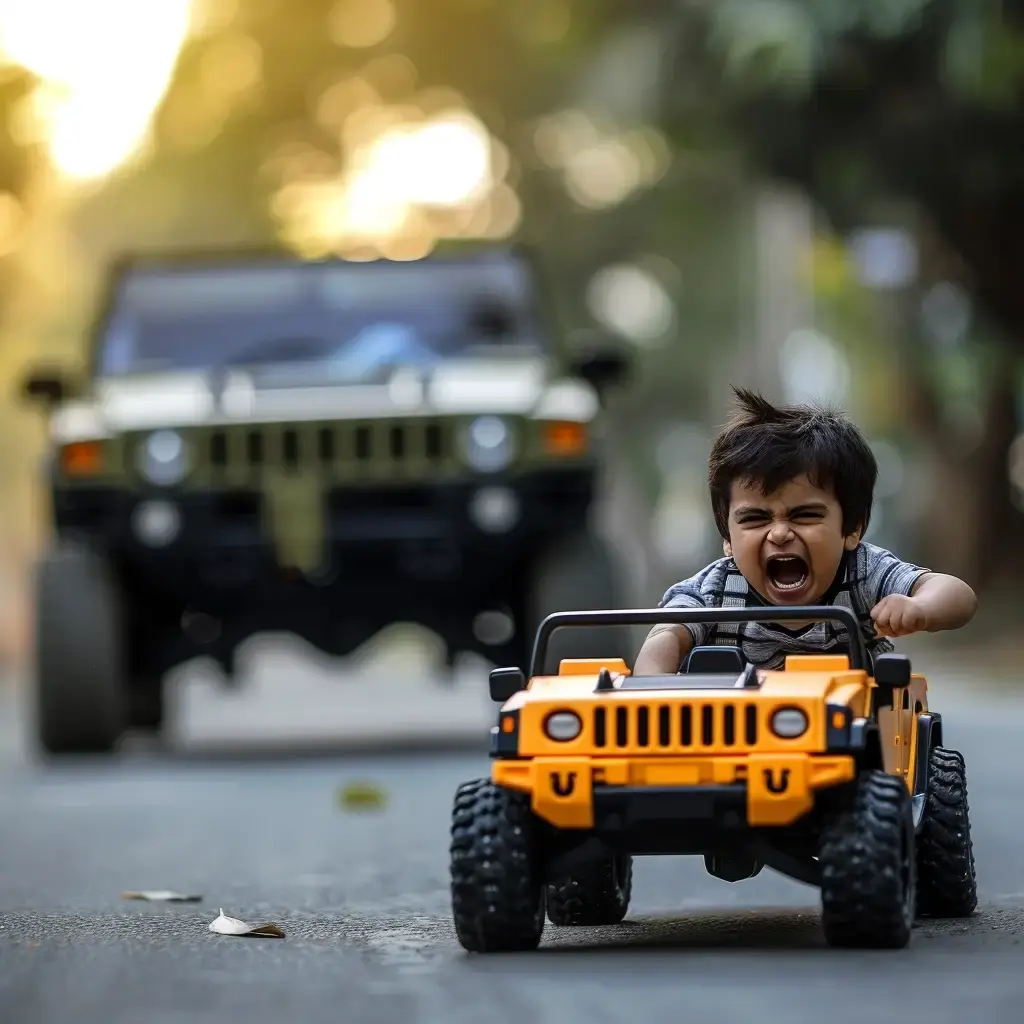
(565, 438)
(83, 458)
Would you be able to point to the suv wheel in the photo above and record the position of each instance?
(146, 705)
(79, 654)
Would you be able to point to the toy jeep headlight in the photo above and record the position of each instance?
(789, 723)
(562, 725)
(487, 444)
(163, 458)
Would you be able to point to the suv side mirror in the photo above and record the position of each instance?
(601, 361)
(506, 683)
(603, 369)
(45, 385)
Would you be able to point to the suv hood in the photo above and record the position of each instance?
(145, 402)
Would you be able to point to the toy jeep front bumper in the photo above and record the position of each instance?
(612, 795)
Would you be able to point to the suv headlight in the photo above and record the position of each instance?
(789, 723)
(163, 458)
(487, 444)
(562, 725)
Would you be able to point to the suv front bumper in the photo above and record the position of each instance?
(374, 536)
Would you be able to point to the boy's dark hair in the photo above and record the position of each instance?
(768, 445)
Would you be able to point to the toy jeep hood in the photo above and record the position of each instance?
(505, 386)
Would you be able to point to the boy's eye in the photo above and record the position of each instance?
(752, 517)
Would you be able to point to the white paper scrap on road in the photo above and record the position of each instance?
(224, 925)
(161, 896)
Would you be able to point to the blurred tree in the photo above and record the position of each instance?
(860, 102)
(899, 113)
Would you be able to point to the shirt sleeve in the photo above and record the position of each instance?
(883, 574)
(691, 593)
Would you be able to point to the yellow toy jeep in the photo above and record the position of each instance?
(830, 771)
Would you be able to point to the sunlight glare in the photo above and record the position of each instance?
(105, 66)
(405, 176)
(444, 162)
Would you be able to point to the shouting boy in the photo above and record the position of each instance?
(791, 490)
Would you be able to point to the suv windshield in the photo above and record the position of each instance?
(332, 319)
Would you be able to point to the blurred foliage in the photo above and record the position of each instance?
(627, 140)
(868, 102)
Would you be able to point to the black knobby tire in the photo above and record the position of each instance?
(596, 895)
(868, 867)
(497, 891)
(80, 667)
(947, 885)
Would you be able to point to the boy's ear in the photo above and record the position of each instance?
(852, 540)
(727, 548)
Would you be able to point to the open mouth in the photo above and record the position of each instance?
(787, 572)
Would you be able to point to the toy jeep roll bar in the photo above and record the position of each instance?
(859, 658)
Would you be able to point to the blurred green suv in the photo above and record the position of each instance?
(262, 443)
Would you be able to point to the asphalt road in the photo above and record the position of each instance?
(363, 896)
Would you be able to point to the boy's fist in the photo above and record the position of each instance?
(897, 615)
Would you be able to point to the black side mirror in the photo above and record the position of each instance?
(48, 387)
(603, 368)
(506, 683)
(892, 672)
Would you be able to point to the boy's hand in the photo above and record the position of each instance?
(897, 615)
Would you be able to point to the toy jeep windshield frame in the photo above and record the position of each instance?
(859, 658)
(889, 672)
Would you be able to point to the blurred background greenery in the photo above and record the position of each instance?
(820, 198)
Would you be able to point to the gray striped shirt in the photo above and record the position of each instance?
(865, 576)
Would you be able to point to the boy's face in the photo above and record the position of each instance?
(788, 544)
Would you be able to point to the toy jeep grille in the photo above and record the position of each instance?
(676, 727)
(335, 446)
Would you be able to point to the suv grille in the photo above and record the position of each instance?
(675, 727)
(341, 447)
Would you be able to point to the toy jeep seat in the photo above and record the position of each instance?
(712, 659)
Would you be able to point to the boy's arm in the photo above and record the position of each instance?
(663, 650)
(669, 642)
(948, 601)
(935, 602)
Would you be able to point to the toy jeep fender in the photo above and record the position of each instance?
(831, 771)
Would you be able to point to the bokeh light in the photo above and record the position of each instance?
(407, 174)
(813, 368)
(600, 167)
(629, 299)
(361, 23)
(103, 66)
